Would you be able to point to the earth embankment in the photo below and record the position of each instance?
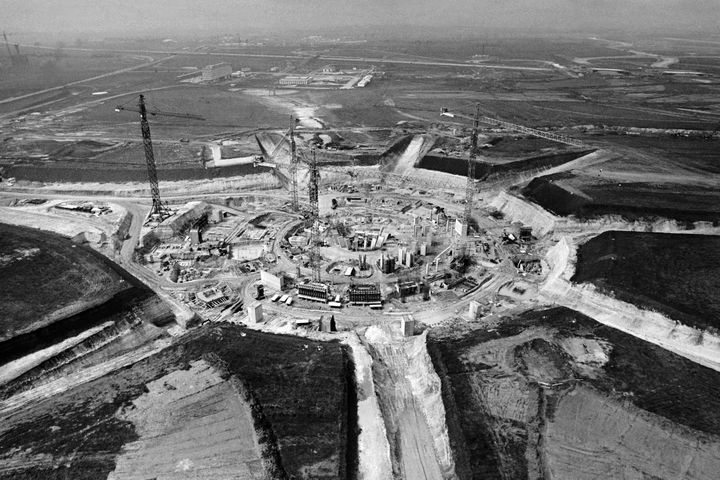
(284, 397)
(554, 394)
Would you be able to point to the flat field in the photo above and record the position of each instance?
(640, 177)
(222, 110)
(676, 274)
(51, 69)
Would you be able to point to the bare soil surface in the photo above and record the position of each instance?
(408, 394)
(192, 424)
(586, 198)
(552, 393)
(296, 390)
(46, 277)
(641, 176)
(677, 274)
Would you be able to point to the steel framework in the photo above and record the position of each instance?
(314, 218)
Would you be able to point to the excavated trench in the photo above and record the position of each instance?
(409, 396)
(491, 170)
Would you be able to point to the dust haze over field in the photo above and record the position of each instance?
(274, 16)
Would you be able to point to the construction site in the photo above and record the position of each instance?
(244, 259)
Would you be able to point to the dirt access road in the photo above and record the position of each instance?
(409, 397)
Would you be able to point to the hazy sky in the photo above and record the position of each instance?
(233, 16)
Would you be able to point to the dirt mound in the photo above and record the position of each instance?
(275, 146)
(493, 171)
(191, 423)
(553, 197)
(520, 210)
(89, 173)
(543, 361)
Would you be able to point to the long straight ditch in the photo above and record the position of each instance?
(409, 394)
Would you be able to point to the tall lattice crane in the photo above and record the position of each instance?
(313, 190)
(294, 203)
(17, 59)
(470, 185)
(289, 137)
(159, 210)
(460, 243)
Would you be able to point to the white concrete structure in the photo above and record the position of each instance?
(255, 312)
(461, 228)
(474, 309)
(296, 80)
(270, 280)
(407, 326)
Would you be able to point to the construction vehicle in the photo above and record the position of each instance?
(159, 210)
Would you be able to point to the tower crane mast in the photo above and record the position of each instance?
(313, 190)
(159, 210)
(268, 157)
(7, 46)
(294, 203)
(17, 59)
(470, 185)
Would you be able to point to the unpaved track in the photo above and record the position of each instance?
(374, 449)
(414, 441)
(412, 408)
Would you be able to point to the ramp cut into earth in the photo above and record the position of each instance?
(405, 154)
(410, 398)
